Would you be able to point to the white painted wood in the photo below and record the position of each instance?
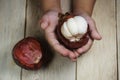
(118, 34)
(65, 5)
(100, 63)
(12, 16)
(60, 68)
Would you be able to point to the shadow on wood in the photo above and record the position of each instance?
(48, 53)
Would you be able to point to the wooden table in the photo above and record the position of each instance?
(19, 18)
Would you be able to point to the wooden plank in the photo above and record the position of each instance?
(12, 16)
(118, 36)
(60, 68)
(100, 62)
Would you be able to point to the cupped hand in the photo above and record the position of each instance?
(48, 23)
(93, 34)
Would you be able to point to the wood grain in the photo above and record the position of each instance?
(100, 63)
(118, 34)
(12, 16)
(60, 68)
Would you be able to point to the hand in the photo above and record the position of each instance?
(48, 24)
(94, 34)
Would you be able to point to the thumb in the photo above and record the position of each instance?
(43, 24)
(95, 35)
(93, 30)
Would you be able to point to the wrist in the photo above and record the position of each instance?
(52, 9)
(81, 12)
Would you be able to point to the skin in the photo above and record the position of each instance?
(49, 20)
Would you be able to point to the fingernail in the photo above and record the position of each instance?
(74, 60)
(99, 36)
(76, 54)
(72, 56)
(44, 25)
(96, 35)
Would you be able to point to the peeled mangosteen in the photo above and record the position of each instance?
(72, 31)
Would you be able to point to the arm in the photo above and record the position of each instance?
(48, 5)
(83, 6)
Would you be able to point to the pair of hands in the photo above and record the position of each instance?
(48, 23)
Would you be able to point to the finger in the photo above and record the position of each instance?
(64, 52)
(58, 47)
(72, 56)
(73, 60)
(76, 53)
(44, 22)
(85, 48)
(93, 30)
(51, 27)
(44, 25)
